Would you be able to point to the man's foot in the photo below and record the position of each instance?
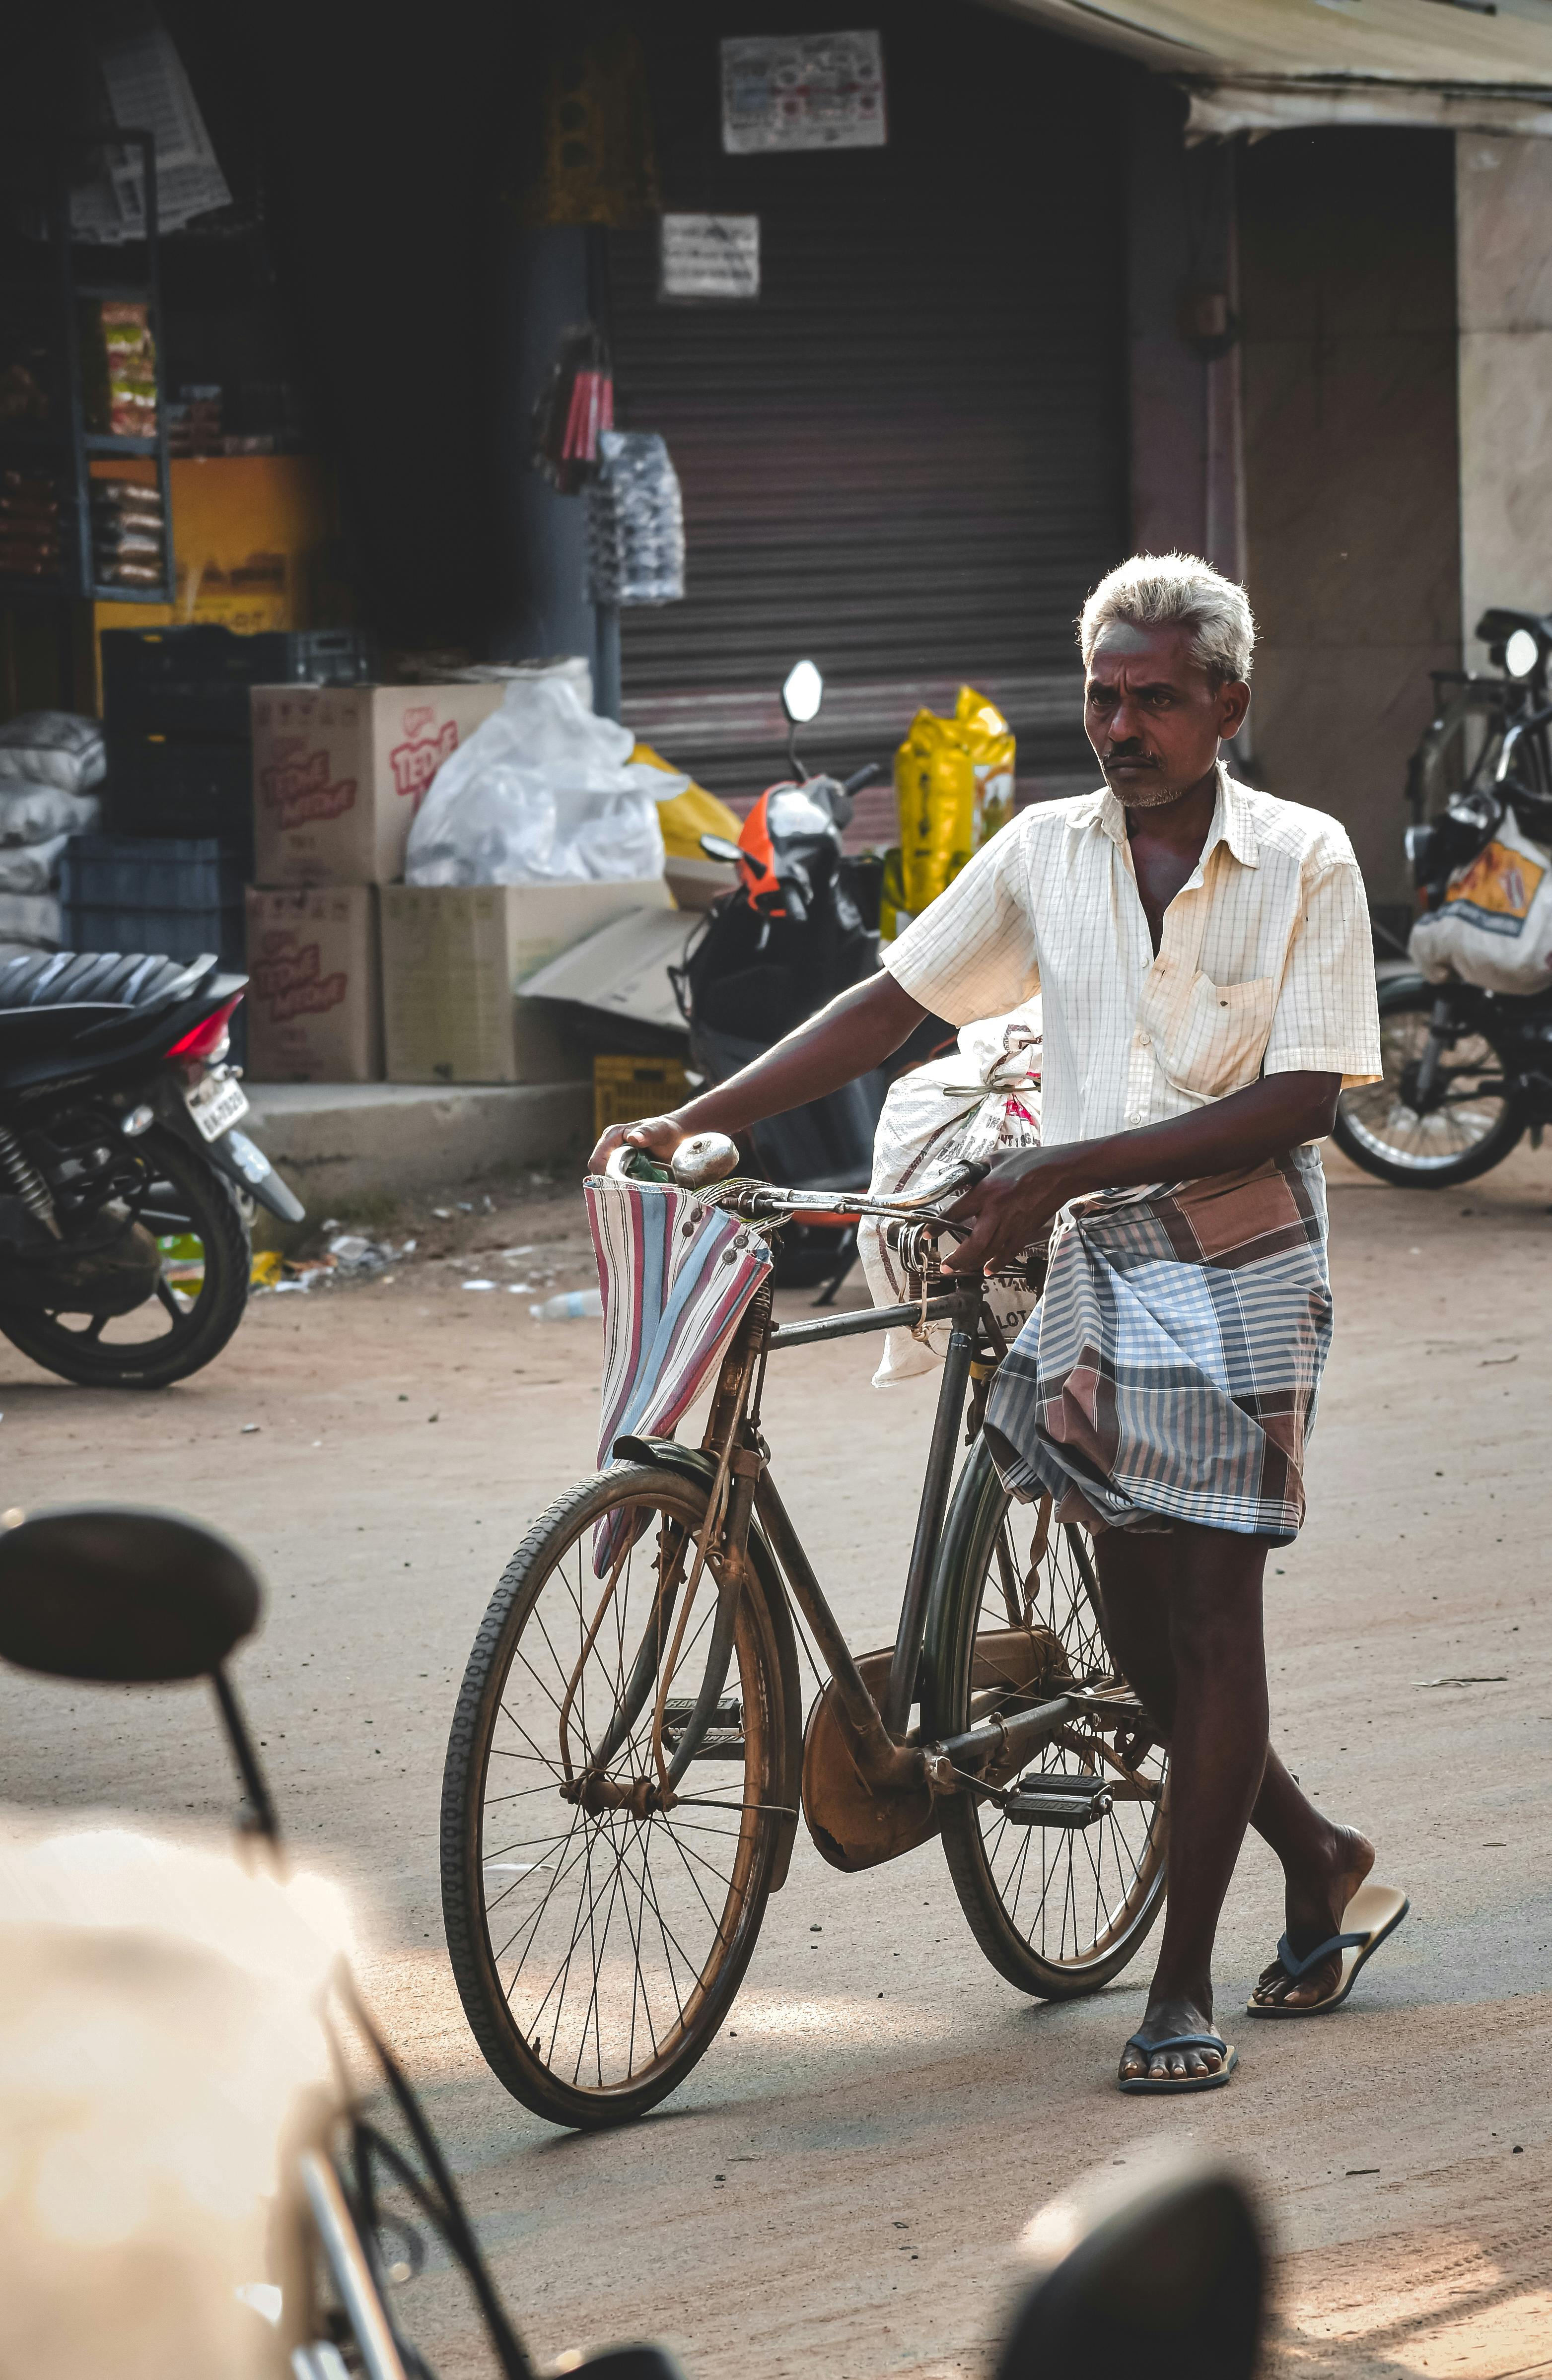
(1165, 2019)
(1316, 1898)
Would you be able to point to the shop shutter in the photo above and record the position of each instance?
(907, 458)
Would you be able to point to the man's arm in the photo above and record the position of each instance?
(1016, 1201)
(859, 1029)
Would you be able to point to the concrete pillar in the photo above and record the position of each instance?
(1503, 216)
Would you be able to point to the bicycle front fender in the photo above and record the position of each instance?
(694, 1462)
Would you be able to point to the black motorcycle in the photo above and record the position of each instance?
(1467, 1073)
(125, 1189)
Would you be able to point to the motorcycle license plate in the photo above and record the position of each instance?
(216, 1105)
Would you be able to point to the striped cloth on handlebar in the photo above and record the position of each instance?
(676, 1275)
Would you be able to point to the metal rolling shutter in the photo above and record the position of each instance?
(908, 458)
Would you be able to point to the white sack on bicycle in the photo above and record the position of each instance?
(972, 1107)
(1495, 927)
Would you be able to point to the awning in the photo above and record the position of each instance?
(1262, 66)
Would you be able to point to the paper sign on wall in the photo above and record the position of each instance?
(709, 257)
(802, 91)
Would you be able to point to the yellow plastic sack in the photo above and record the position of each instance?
(688, 816)
(954, 786)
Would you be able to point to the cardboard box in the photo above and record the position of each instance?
(453, 956)
(315, 987)
(340, 771)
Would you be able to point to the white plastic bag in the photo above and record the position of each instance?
(39, 813)
(1495, 928)
(32, 919)
(542, 793)
(30, 867)
(975, 1106)
(53, 748)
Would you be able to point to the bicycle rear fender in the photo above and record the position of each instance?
(694, 1462)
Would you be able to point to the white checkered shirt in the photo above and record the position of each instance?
(1265, 965)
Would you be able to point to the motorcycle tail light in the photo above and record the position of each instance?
(208, 1039)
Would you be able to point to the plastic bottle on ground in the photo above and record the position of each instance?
(570, 1305)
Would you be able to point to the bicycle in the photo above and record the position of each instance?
(626, 1767)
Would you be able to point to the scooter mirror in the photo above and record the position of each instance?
(802, 694)
(717, 847)
(1164, 2274)
(1520, 653)
(123, 1598)
(706, 1157)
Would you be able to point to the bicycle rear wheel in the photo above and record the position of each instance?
(1060, 1911)
(597, 1948)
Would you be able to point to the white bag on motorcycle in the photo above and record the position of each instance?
(972, 1107)
(1493, 928)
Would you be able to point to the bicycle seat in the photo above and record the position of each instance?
(1498, 624)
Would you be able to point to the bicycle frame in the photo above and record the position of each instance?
(891, 1757)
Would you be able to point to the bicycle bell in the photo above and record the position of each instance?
(706, 1157)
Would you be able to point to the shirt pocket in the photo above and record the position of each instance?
(1216, 1037)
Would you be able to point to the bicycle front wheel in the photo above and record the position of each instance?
(597, 1942)
(1058, 1910)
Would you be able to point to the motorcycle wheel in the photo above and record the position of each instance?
(1469, 1133)
(186, 1323)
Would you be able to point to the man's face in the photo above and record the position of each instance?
(1153, 714)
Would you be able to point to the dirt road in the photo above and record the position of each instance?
(836, 2188)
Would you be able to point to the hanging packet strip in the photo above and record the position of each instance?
(676, 1276)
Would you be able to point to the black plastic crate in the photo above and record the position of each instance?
(167, 894)
(195, 681)
(182, 785)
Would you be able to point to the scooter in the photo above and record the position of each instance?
(118, 1120)
(800, 926)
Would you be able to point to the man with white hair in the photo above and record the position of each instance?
(1203, 956)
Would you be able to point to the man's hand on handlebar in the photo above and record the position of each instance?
(659, 1136)
(1011, 1210)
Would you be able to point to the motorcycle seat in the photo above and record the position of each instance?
(98, 980)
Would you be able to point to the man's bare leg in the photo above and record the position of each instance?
(1183, 1615)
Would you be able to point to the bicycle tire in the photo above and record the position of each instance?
(1410, 996)
(1124, 1868)
(506, 2022)
(196, 1337)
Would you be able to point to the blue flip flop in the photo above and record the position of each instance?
(1369, 1919)
(1165, 2083)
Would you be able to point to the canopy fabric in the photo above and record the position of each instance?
(1261, 66)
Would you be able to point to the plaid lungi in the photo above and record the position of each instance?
(1170, 1369)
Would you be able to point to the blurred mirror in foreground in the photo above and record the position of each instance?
(802, 694)
(1156, 2269)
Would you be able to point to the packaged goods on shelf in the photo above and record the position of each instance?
(119, 359)
(32, 543)
(128, 533)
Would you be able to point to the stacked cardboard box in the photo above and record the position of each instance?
(352, 969)
(339, 772)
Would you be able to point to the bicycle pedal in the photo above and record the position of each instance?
(724, 1739)
(729, 1712)
(1058, 1801)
